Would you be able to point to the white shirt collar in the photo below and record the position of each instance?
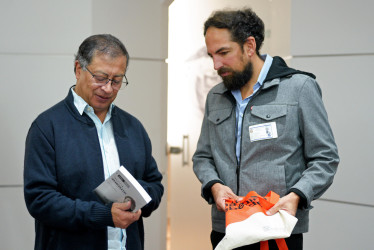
(82, 105)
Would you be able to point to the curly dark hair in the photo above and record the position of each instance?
(100, 44)
(241, 24)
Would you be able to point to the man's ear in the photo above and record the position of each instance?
(250, 46)
(78, 70)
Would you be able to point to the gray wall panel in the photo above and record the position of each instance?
(340, 226)
(332, 27)
(17, 226)
(43, 26)
(141, 25)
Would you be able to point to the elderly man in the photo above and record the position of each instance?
(75, 145)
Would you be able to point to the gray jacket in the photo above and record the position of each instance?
(303, 158)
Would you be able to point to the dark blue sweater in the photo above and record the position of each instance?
(63, 164)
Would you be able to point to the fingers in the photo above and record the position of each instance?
(123, 206)
(273, 210)
(137, 215)
(123, 218)
(220, 204)
(220, 194)
(289, 203)
(235, 197)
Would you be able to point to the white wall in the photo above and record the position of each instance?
(38, 41)
(334, 40)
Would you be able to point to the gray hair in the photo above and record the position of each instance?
(99, 45)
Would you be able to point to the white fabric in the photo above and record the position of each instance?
(258, 227)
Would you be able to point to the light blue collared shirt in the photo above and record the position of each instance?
(242, 104)
(116, 236)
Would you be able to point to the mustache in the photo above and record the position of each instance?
(224, 70)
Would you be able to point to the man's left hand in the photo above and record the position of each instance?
(289, 203)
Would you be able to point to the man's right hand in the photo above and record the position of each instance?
(123, 218)
(221, 193)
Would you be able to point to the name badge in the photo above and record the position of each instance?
(263, 131)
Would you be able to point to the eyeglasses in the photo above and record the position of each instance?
(102, 81)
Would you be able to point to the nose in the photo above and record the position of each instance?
(217, 63)
(108, 87)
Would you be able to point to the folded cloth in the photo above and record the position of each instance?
(247, 222)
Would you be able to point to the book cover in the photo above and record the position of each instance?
(121, 186)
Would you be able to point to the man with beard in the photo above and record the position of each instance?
(265, 128)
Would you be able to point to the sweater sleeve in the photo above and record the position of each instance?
(43, 193)
(151, 180)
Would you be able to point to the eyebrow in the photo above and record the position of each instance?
(101, 72)
(219, 50)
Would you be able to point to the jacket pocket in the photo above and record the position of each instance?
(222, 129)
(263, 177)
(219, 116)
(270, 113)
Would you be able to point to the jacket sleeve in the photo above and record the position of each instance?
(203, 162)
(320, 150)
(43, 196)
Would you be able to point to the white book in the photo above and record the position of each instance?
(121, 186)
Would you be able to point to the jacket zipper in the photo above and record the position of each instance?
(241, 140)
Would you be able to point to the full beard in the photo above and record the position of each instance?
(237, 79)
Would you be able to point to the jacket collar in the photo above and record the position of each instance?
(219, 89)
(269, 84)
(279, 69)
